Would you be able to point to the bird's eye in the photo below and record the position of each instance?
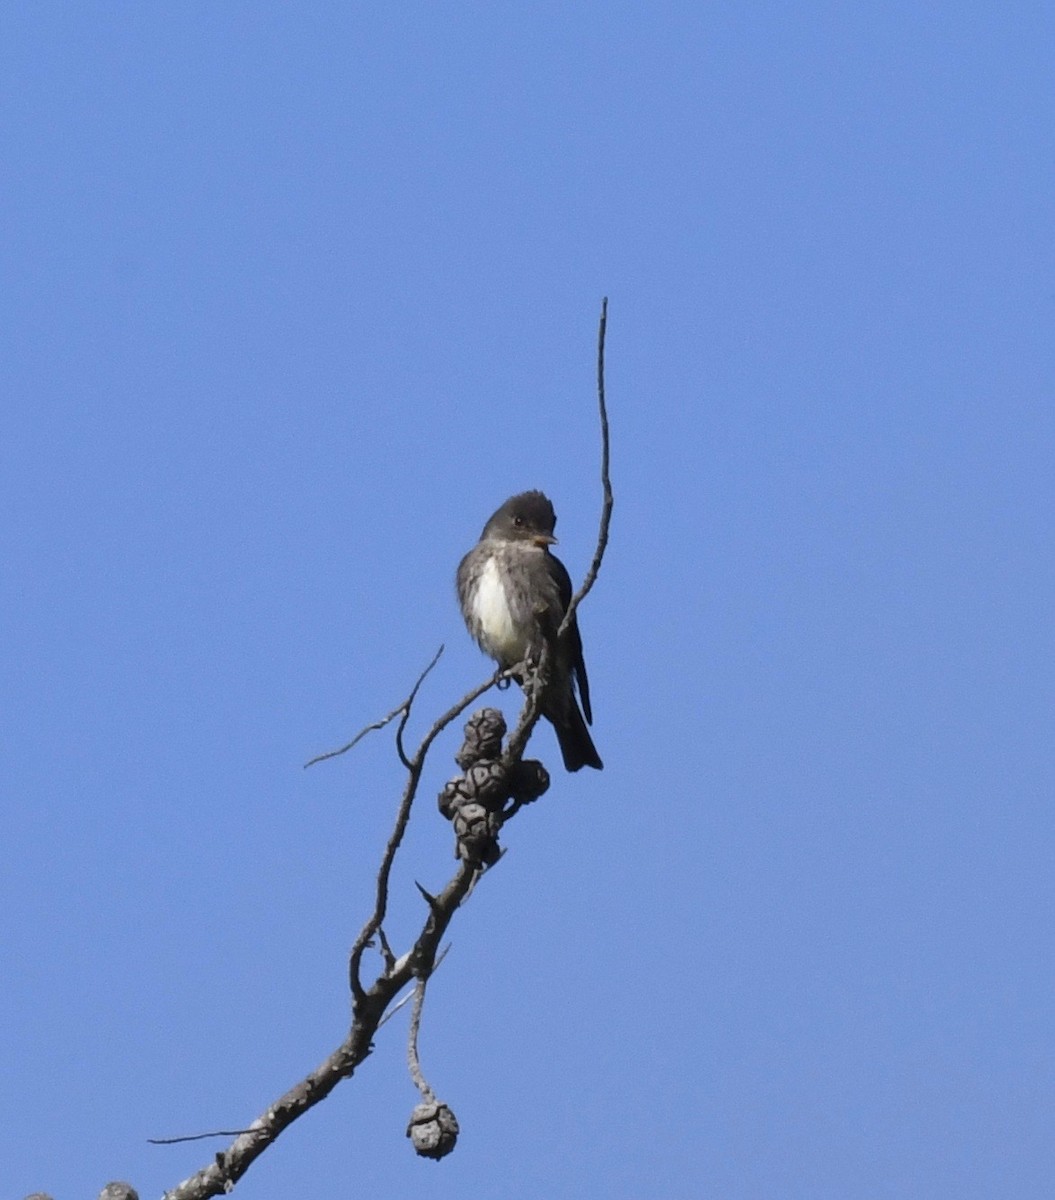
(518, 521)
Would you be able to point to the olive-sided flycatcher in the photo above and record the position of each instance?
(514, 594)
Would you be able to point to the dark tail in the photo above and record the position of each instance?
(576, 745)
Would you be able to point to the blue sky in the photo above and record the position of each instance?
(293, 297)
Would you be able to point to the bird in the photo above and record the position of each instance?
(513, 594)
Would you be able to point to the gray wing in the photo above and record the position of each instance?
(559, 574)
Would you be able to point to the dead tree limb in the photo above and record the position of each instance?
(497, 781)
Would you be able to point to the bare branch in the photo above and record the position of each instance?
(409, 704)
(403, 709)
(386, 949)
(606, 483)
(198, 1137)
(232, 1164)
(374, 1005)
(395, 1008)
(410, 995)
(536, 676)
(413, 1061)
(414, 769)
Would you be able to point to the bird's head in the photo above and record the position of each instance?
(528, 517)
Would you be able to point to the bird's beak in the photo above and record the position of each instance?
(544, 539)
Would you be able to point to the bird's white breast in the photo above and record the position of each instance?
(498, 634)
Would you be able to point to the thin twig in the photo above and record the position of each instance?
(386, 949)
(414, 768)
(403, 708)
(201, 1137)
(395, 1008)
(410, 995)
(371, 728)
(606, 483)
(413, 1061)
(409, 704)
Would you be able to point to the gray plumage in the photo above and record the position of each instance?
(514, 594)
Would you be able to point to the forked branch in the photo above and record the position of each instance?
(496, 782)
